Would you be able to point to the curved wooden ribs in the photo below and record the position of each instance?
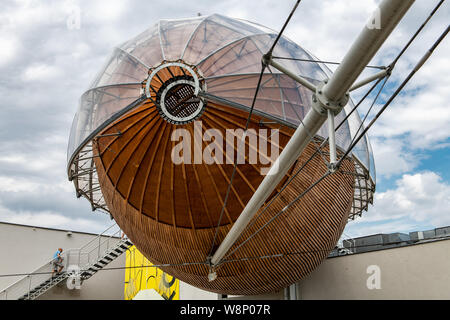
(170, 211)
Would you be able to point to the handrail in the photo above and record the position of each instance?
(29, 274)
(100, 235)
(42, 273)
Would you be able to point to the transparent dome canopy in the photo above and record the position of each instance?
(226, 53)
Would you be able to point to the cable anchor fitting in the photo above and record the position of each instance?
(212, 275)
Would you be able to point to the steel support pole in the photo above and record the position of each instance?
(329, 96)
(389, 13)
(312, 123)
(292, 75)
(331, 138)
(369, 79)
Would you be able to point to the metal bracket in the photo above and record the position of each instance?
(384, 73)
(118, 134)
(267, 60)
(322, 104)
(212, 275)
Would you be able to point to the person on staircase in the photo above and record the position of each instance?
(57, 262)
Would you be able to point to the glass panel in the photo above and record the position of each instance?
(214, 33)
(255, 26)
(242, 56)
(372, 170)
(121, 68)
(146, 47)
(354, 123)
(97, 106)
(175, 34)
(279, 96)
(286, 48)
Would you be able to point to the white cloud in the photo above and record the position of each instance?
(423, 114)
(327, 28)
(419, 119)
(8, 184)
(421, 199)
(41, 72)
(105, 11)
(9, 48)
(392, 157)
(52, 220)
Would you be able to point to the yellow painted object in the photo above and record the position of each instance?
(140, 275)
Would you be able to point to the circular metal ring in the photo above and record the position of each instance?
(173, 118)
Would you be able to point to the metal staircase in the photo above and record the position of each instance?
(79, 265)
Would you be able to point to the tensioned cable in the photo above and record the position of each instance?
(399, 89)
(394, 62)
(417, 33)
(263, 67)
(322, 61)
(391, 66)
(281, 255)
(278, 214)
(308, 161)
(359, 103)
(308, 132)
(113, 268)
(355, 141)
(370, 109)
(284, 27)
(377, 67)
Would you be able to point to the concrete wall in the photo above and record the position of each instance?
(24, 249)
(188, 292)
(413, 272)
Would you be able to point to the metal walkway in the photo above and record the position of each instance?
(79, 265)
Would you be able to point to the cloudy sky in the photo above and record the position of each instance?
(46, 63)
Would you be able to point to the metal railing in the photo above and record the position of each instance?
(83, 258)
(95, 249)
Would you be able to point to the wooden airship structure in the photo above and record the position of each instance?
(224, 225)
